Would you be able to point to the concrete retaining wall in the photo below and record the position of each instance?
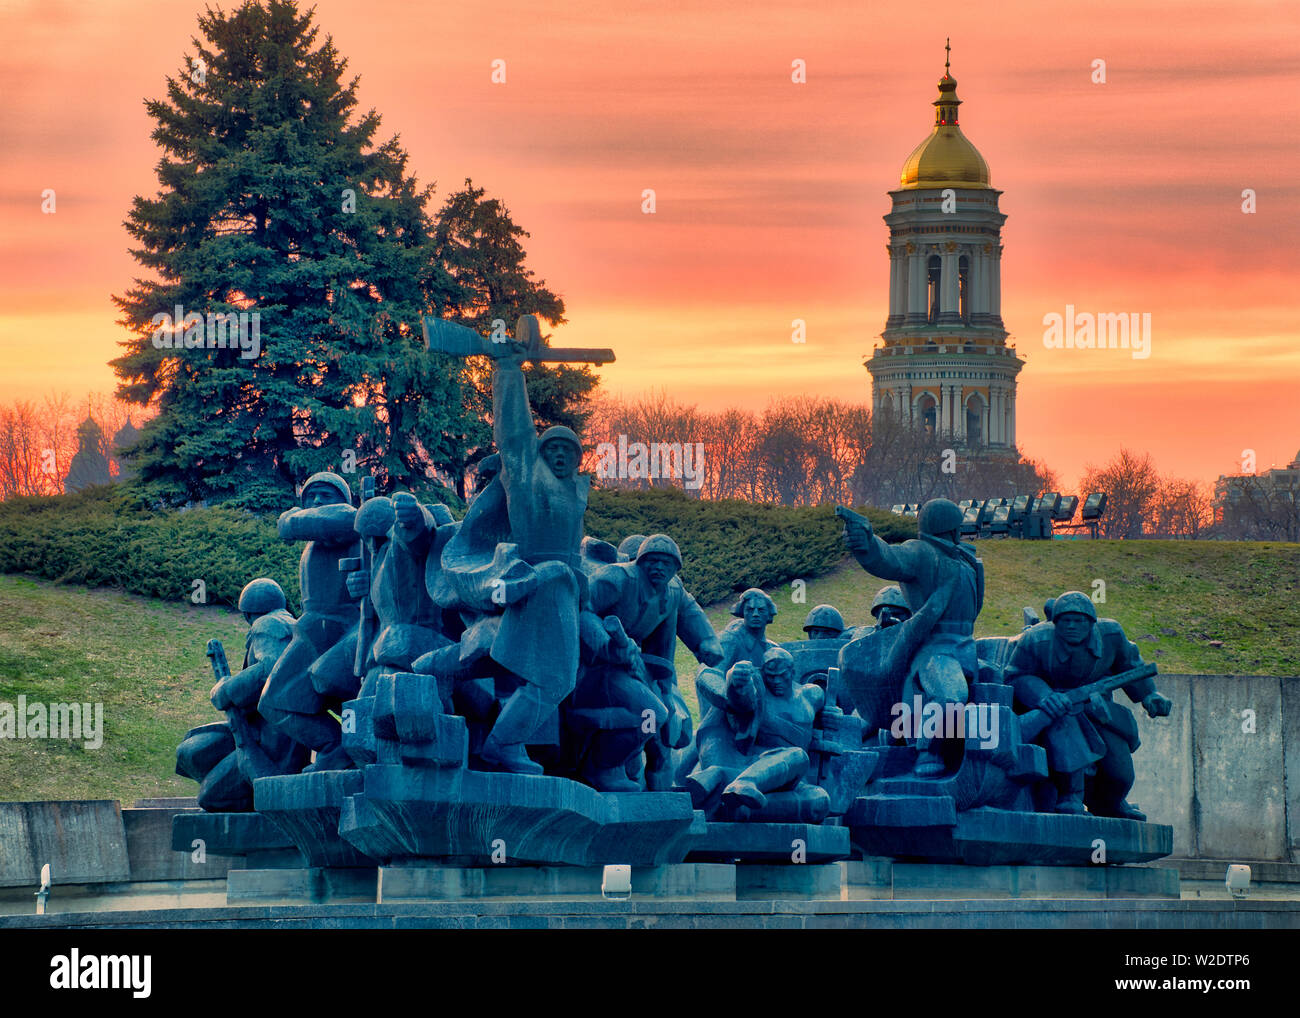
(95, 842)
(1224, 768)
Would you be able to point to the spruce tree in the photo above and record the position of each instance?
(274, 201)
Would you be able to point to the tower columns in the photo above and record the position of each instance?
(916, 309)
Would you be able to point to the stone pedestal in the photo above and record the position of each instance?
(887, 879)
(308, 808)
(480, 818)
(301, 885)
(713, 881)
(780, 844)
(250, 839)
(930, 828)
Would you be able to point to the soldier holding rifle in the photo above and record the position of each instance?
(1065, 670)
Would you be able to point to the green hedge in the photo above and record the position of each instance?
(728, 545)
(99, 537)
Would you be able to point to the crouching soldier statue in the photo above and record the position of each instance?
(754, 744)
(1060, 668)
(227, 757)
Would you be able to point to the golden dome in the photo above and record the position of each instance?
(946, 158)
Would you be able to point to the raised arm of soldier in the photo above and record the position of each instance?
(328, 522)
(877, 557)
(512, 417)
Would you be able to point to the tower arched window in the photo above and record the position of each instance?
(935, 279)
(963, 287)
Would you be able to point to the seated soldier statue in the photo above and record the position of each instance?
(753, 745)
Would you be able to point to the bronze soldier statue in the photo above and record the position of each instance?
(1090, 745)
(546, 499)
(291, 700)
(754, 742)
(654, 610)
(227, 757)
(933, 653)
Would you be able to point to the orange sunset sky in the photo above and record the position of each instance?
(1121, 197)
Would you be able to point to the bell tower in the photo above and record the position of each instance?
(944, 363)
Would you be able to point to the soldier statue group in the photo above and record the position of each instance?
(558, 649)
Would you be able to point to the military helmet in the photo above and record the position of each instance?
(261, 596)
(660, 544)
(333, 480)
(1074, 601)
(824, 616)
(939, 516)
(489, 466)
(889, 597)
(627, 548)
(557, 432)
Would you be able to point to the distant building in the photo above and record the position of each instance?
(89, 466)
(945, 364)
(1260, 505)
(126, 436)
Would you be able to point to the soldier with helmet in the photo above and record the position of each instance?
(538, 575)
(890, 607)
(290, 700)
(824, 623)
(932, 653)
(1089, 754)
(654, 610)
(226, 757)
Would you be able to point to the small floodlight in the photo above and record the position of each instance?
(43, 895)
(617, 882)
(1237, 880)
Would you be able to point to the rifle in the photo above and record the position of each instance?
(366, 561)
(1033, 723)
(253, 760)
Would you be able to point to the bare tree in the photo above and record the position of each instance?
(1181, 509)
(1131, 485)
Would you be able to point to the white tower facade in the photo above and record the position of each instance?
(944, 363)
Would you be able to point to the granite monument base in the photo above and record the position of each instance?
(886, 879)
(931, 829)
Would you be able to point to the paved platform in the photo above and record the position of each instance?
(633, 914)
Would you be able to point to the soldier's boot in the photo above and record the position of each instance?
(929, 763)
(703, 783)
(336, 759)
(1070, 794)
(612, 779)
(1124, 810)
(743, 793)
(505, 745)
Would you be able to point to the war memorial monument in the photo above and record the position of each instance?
(477, 717)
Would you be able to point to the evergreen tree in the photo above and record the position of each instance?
(478, 245)
(274, 202)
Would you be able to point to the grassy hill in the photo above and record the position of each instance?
(144, 658)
